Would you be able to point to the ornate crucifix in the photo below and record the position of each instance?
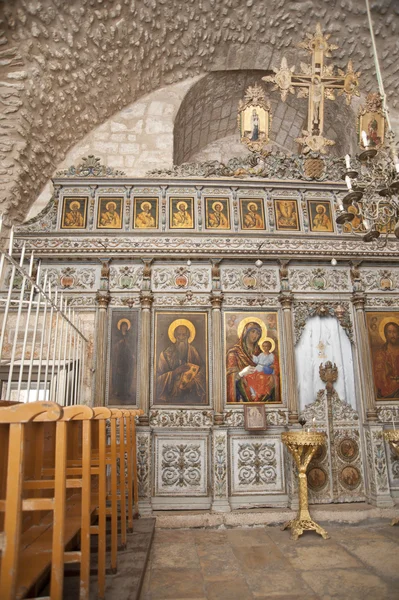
(316, 82)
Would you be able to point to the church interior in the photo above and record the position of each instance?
(199, 299)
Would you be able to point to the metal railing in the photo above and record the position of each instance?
(42, 347)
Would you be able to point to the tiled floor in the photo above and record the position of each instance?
(358, 563)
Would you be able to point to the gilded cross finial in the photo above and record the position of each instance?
(316, 82)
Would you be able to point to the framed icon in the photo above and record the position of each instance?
(217, 213)
(181, 213)
(320, 219)
(74, 213)
(110, 213)
(252, 213)
(145, 213)
(286, 215)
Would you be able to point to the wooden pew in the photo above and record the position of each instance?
(20, 542)
(64, 475)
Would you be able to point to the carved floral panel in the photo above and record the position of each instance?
(244, 279)
(319, 279)
(256, 464)
(181, 465)
(377, 280)
(181, 278)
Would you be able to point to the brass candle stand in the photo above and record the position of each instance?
(303, 445)
(392, 437)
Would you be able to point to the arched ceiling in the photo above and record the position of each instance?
(209, 113)
(68, 66)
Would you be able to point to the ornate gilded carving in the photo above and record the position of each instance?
(387, 414)
(273, 166)
(103, 298)
(125, 277)
(175, 278)
(306, 310)
(380, 280)
(146, 300)
(315, 82)
(319, 279)
(90, 166)
(80, 245)
(328, 374)
(254, 119)
(249, 278)
(79, 278)
(276, 417)
(192, 419)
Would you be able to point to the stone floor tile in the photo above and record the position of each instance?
(388, 532)
(247, 537)
(313, 558)
(175, 584)
(173, 536)
(381, 555)
(253, 558)
(145, 588)
(218, 562)
(210, 538)
(176, 555)
(353, 584)
(272, 583)
(293, 596)
(231, 589)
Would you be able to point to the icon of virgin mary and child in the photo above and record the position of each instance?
(252, 366)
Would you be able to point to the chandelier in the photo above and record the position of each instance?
(371, 205)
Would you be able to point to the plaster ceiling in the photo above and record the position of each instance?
(68, 66)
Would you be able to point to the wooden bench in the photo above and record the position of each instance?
(64, 457)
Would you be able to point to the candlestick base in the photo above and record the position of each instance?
(298, 526)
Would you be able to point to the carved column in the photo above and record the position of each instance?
(103, 298)
(365, 366)
(218, 404)
(220, 488)
(146, 300)
(286, 300)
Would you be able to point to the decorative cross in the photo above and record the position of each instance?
(316, 82)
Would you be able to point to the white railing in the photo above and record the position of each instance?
(42, 347)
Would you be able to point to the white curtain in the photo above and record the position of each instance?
(324, 339)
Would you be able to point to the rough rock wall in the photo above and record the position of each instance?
(68, 66)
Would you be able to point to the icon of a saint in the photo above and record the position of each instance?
(217, 219)
(74, 217)
(386, 360)
(110, 217)
(181, 370)
(252, 220)
(123, 361)
(374, 139)
(254, 126)
(321, 221)
(182, 217)
(144, 219)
